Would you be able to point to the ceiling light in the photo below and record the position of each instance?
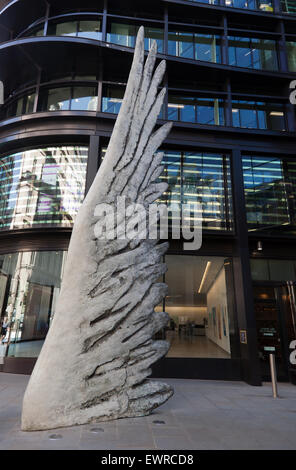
(204, 276)
(178, 106)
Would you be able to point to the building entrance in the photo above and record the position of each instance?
(275, 311)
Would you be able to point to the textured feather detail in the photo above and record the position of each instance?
(97, 355)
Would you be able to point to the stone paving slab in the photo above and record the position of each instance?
(202, 415)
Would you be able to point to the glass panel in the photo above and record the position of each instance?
(205, 178)
(31, 282)
(207, 47)
(90, 29)
(172, 176)
(258, 115)
(282, 270)
(153, 34)
(199, 110)
(198, 307)
(291, 53)
(264, 5)
(84, 99)
(289, 6)
(204, 47)
(112, 99)
(125, 35)
(42, 187)
(273, 270)
(58, 99)
(252, 53)
(181, 44)
(68, 28)
(29, 104)
(270, 192)
(260, 269)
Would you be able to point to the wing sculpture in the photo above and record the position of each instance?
(97, 355)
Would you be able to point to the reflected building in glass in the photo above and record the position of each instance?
(231, 154)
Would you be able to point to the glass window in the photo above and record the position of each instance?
(84, 99)
(258, 115)
(42, 187)
(90, 29)
(198, 110)
(202, 178)
(264, 5)
(291, 53)
(85, 28)
(59, 99)
(273, 270)
(181, 44)
(270, 191)
(289, 6)
(205, 47)
(30, 284)
(23, 105)
(198, 306)
(252, 53)
(125, 35)
(68, 28)
(112, 98)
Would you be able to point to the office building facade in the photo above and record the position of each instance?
(230, 63)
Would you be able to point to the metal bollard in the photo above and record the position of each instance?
(273, 375)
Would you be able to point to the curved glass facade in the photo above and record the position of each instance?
(30, 283)
(42, 187)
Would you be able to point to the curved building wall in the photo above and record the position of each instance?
(232, 149)
(42, 187)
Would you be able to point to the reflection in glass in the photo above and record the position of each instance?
(273, 270)
(195, 46)
(112, 98)
(197, 303)
(31, 284)
(125, 35)
(291, 54)
(42, 187)
(91, 29)
(252, 53)
(198, 177)
(196, 109)
(204, 178)
(270, 191)
(83, 98)
(289, 6)
(258, 115)
(263, 5)
(23, 105)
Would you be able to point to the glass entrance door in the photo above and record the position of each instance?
(275, 311)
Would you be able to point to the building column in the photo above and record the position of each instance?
(93, 161)
(246, 320)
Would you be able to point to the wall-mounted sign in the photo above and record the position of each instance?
(243, 336)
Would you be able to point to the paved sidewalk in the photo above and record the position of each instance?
(201, 415)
